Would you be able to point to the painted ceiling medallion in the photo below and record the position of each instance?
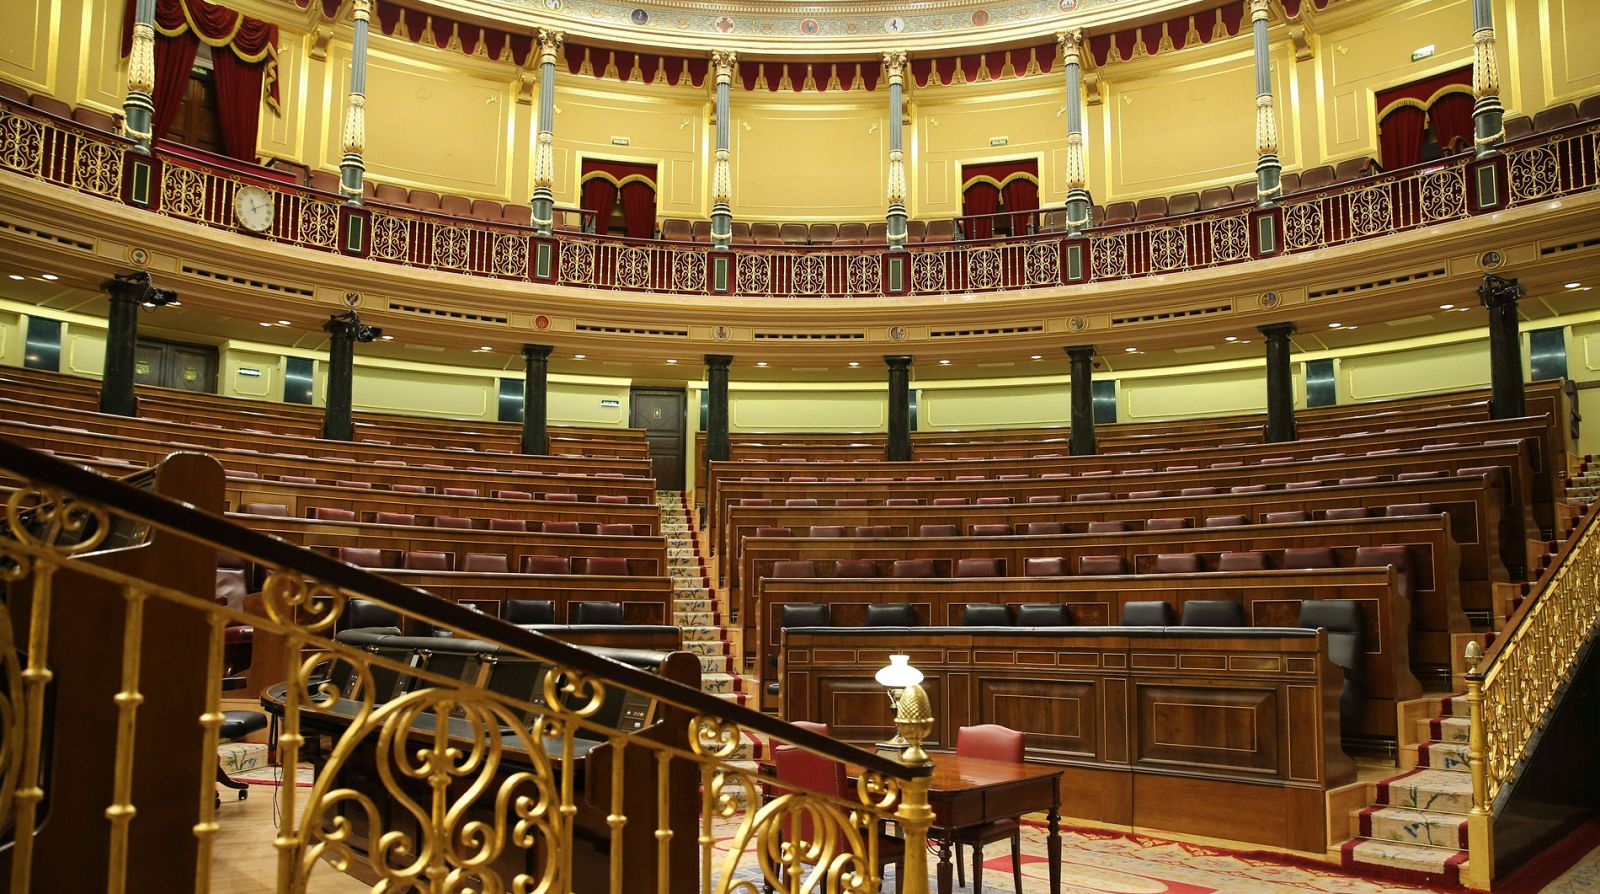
(724, 24)
(720, 333)
(894, 25)
(555, 5)
(810, 28)
(639, 17)
(897, 333)
(980, 17)
(541, 322)
(1077, 324)
(1068, 5)
(1271, 299)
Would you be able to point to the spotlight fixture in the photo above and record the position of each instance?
(580, 356)
(284, 323)
(152, 297)
(1334, 325)
(486, 348)
(49, 276)
(268, 325)
(387, 337)
(761, 363)
(1231, 338)
(1035, 356)
(1574, 285)
(855, 363)
(17, 276)
(1499, 289)
(672, 361)
(1131, 350)
(1447, 307)
(363, 333)
(944, 363)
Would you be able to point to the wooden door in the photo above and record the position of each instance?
(175, 365)
(659, 411)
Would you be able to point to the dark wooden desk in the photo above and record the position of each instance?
(966, 792)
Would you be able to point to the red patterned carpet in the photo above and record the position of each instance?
(1106, 862)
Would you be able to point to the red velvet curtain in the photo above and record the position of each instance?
(238, 104)
(174, 61)
(599, 196)
(639, 209)
(1022, 199)
(1452, 121)
(979, 198)
(1400, 137)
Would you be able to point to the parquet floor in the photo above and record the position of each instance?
(244, 860)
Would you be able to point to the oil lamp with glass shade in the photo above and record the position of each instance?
(913, 715)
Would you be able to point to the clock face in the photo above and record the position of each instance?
(253, 209)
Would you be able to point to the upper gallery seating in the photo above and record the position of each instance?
(1145, 210)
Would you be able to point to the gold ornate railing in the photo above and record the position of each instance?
(189, 187)
(1512, 687)
(481, 789)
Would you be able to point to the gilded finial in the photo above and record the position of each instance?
(1473, 656)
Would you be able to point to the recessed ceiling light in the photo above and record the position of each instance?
(388, 338)
(579, 356)
(1231, 338)
(268, 325)
(944, 363)
(1574, 285)
(50, 276)
(486, 348)
(174, 303)
(18, 276)
(1334, 325)
(1447, 307)
(283, 323)
(1036, 357)
(1131, 350)
(672, 361)
(855, 363)
(761, 363)
(1351, 328)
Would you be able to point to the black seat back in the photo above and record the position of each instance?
(1044, 614)
(594, 613)
(805, 614)
(892, 615)
(1154, 613)
(986, 614)
(530, 611)
(1213, 613)
(362, 613)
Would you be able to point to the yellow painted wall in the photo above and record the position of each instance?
(231, 382)
(802, 408)
(1003, 404)
(572, 401)
(1420, 370)
(1172, 123)
(11, 329)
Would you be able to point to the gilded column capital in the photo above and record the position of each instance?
(1071, 44)
(1485, 70)
(894, 64)
(723, 61)
(1266, 126)
(142, 59)
(361, 10)
(1259, 10)
(550, 41)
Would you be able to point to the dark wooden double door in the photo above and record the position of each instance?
(172, 364)
(660, 412)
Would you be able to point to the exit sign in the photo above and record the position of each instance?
(1421, 53)
(619, 141)
(999, 141)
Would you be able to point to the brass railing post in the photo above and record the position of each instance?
(1480, 821)
(913, 721)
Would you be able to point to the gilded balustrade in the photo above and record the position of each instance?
(466, 794)
(1540, 167)
(1513, 686)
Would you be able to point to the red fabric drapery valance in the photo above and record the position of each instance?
(990, 66)
(1424, 93)
(619, 173)
(1220, 22)
(253, 41)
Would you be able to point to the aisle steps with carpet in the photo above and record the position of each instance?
(696, 605)
(1416, 823)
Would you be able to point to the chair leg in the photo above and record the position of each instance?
(977, 869)
(222, 779)
(961, 868)
(1016, 859)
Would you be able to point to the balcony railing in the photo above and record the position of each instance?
(436, 779)
(67, 154)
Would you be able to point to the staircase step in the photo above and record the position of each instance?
(1407, 826)
(1443, 756)
(1441, 791)
(1444, 729)
(1445, 864)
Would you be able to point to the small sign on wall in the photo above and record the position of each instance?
(249, 372)
(610, 402)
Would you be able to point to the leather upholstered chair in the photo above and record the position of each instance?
(1177, 563)
(485, 563)
(804, 614)
(892, 614)
(995, 743)
(1253, 560)
(1308, 557)
(1168, 524)
(530, 611)
(986, 614)
(792, 568)
(855, 568)
(360, 614)
(912, 568)
(546, 565)
(1043, 614)
(1044, 566)
(361, 556)
(614, 565)
(1147, 613)
(808, 771)
(1213, 613)
(938, 531)
(427, 560)
(980, 567)
(1101, 565)
(1346, 626)
(594, 612)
